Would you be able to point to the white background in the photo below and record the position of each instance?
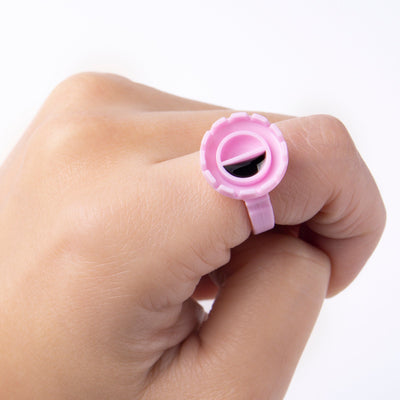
(305, 57)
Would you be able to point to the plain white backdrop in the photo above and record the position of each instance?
(294, 57)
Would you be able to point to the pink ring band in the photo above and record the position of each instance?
(261, 214)
(245, 157)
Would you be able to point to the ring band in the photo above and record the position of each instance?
(245, 157)
(261, 214)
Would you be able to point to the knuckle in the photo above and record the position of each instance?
(77, 118)
(82, 84)
(70, 136)
(332, 131)
(90, 85)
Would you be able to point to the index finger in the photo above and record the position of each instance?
(327, 189)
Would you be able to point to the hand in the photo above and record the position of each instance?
(109, 234)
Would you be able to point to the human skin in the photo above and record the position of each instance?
(109, 234)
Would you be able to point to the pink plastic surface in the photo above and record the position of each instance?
(240, 139)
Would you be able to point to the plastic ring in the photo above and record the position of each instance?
(245, 157)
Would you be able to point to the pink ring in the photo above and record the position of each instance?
(245, 157)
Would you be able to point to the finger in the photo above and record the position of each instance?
(174, 134)
(269, 301)
(331, 191)
(327, 188)
(271, 295)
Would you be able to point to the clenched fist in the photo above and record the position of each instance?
(109, 234)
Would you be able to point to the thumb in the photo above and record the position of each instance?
(270, 297)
